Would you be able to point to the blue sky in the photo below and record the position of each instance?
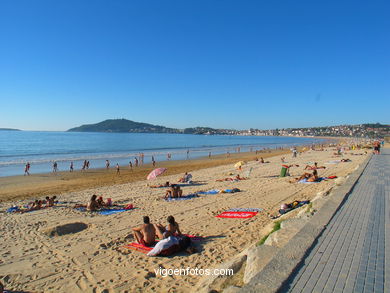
(224, 64)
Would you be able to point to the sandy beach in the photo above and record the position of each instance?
(94, 260)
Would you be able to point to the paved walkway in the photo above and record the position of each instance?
(353, 253)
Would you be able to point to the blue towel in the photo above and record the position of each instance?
(185, 197)
(12, 209)
(112, 211)
(213, 191)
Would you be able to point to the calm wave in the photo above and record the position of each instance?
(43, 148)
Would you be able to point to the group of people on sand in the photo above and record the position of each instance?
(171, 239)
(173, 192)
(95, 203)
(146, 233)
(39, 204)
(309, 177)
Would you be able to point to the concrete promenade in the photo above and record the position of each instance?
(353, 252)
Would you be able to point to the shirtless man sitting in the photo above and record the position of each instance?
(146, 233)
(172, 229)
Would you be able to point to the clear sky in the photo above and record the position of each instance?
(218, 63)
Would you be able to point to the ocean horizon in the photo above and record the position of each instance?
(42, 148)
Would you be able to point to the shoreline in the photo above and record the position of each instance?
(23, 187)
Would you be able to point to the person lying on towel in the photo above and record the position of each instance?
(287, 207)
(172, 245)
(146, 233)
(309, 177)
(237, 178)
(160, 185)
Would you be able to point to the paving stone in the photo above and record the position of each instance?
(353, 253)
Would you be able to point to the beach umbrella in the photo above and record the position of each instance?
(155, 173)
(239, 164)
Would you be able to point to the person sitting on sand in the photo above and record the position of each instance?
(172, 229)
(262, 161)
(315, 167)
(47, 202)
(101, 202)
(174, 192)
(186, 178)
(146, 233)
(93, 205)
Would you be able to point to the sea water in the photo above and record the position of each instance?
(41, 149)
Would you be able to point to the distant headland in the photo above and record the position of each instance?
(9, 129)
(372, 130)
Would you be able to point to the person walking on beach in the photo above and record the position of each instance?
(136, 162)
(131, 166)
(84, 165)
(117, 169)
(87, 165)
(188, 154)
(153, 162)
(27, 169)
(209, 155)
(107, 164)
(294, 152)
(71, 167)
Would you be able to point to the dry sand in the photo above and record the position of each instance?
(35, 257)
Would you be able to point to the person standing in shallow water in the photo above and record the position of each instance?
(71, 167)
(107, 164)
(27, 169)
(117, 169)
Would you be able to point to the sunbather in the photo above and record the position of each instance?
(36, 205)
(172, 229)
(93, 205)
(160, 185)
(262, 161)
(236, 178)
(146, 233)
(309, 177)
(314, 167)
(286, 207)
(174, 192)
(186, 178)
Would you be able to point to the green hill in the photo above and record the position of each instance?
(123, 125)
